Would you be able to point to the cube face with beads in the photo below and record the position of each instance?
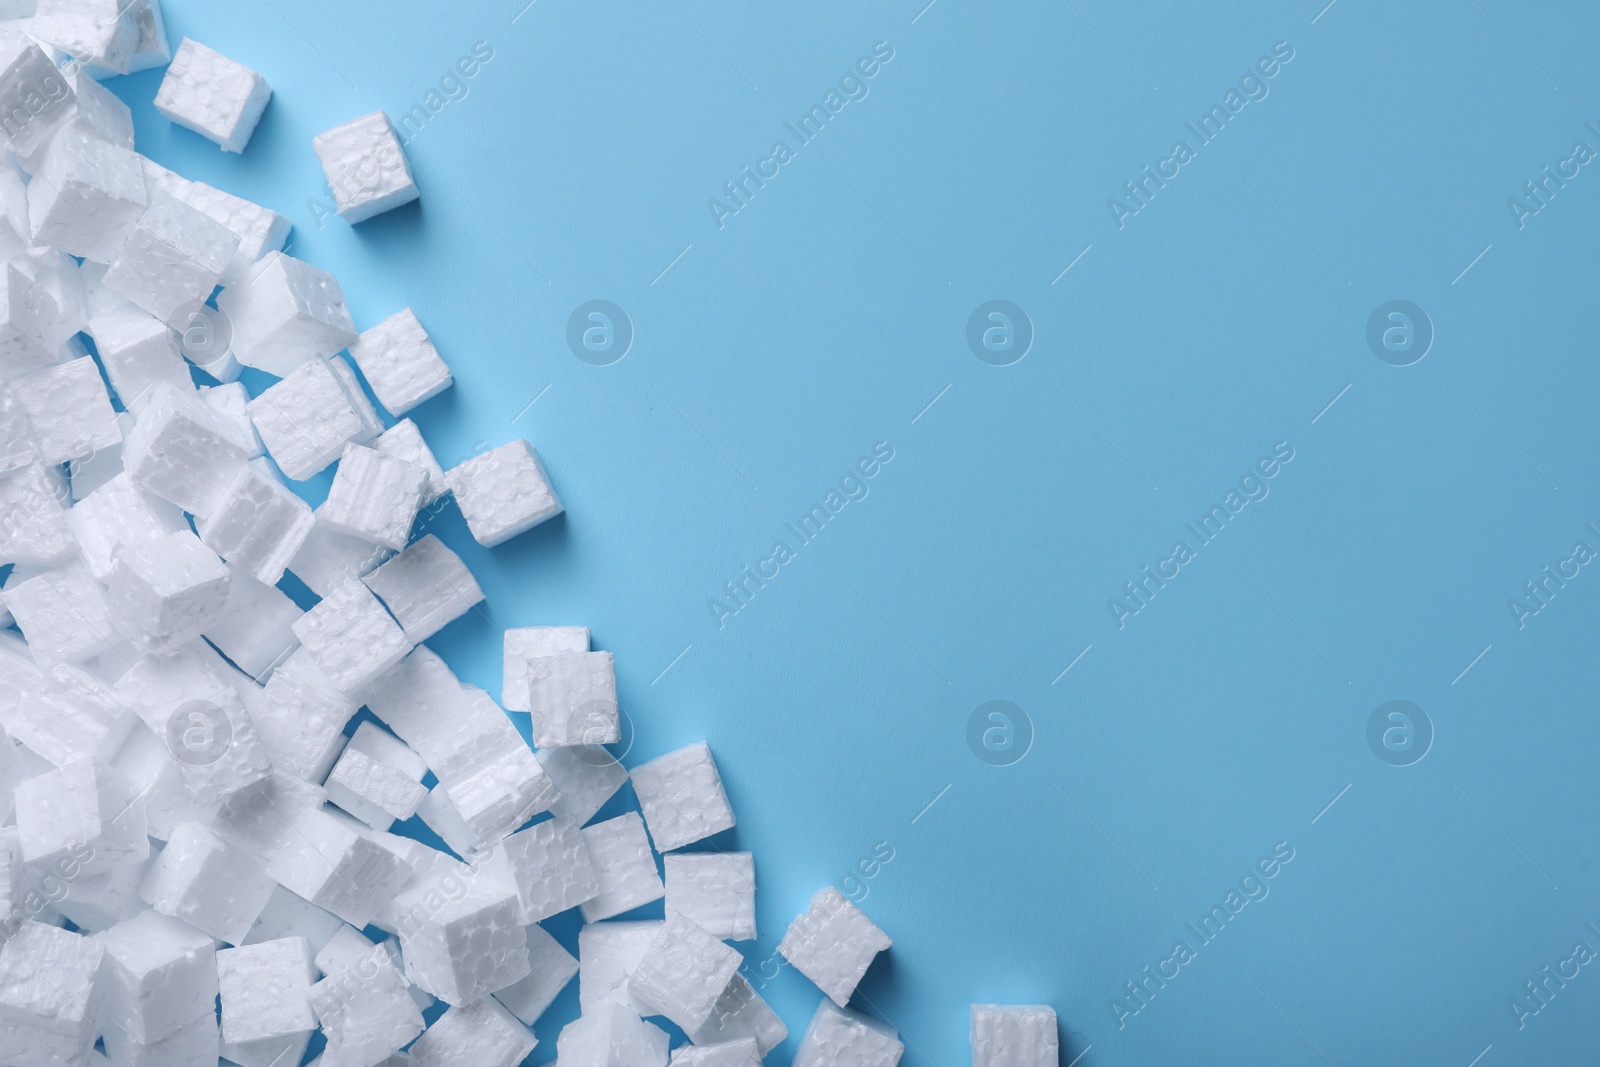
(366, 168)
(503, 493)
(207, 92)
(1015, 1035)
(833, 943)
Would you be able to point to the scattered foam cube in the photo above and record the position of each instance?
(456, 728)
(841, 1038)
(232, 402)
(327, 559)
(528, 642)
(168, 804)
(742, 1053)
(833, 943)
(172, 260)
(332, 861)
(99, 902)
(60, 713)
(622, 860)
(307, 419)
(404, 441)
(684, 973)
(440, 816)
(195, 1045)
(182, 451)
(266, 1001)
(502, 794)
(352, 638)
(503, 493)
(613, 1036)
(366, 168)
(286, 312)
(372, 790)
(682, 797)
(300, 725)
(257, 525)
(400, 362)
(84, 811)
(29, 321)
(152, 49)
(586, 776)
(16, 435)
(90, 473)
(35, 97)
(168, 590)
(741, 1014)
(49, 996)
(160, 975)
(208, 883)
(209, 93)
(425, 587)
(69, 411)
(374, 497)
(97, 113)
(261, 230)
(550, 867)
(116, 514)
(138, 352)
(462, 936)
(573, 698)
(608, 954)
(100, 33)
(717, 890)
(365, 1011)
(286, 915)
(86, 198)
(1022, 1035)
(63, 614)
(256, 628)
(550, 968)
(483, 1034)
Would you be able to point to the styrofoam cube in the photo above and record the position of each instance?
(30, 322)
(366, 1011)
(212, 95)
(86, 811)
(63, 614)
(152, 49)
(374, 497)
(715, 889)
(483, 1034)
(300, 725)
(285, 312)
(100, 33)
(232, 401)
(208, 883)
(528, 642)
(138, 352)
(425, 587)
(503, 492)
(456, 728)
(682, 797)
(586, 776)
(257, 525)
(195, 1045)
(404, 441)
(286, 915)
(838, 1037)
(98, 112)
(352, 638)
(833, 943)
(366, 168)
(400, 363)
(160, 975)
(69, 411)
(147, 761)
(60, 713)
(261, 230)
(99, 902)
(327, 560)
(608, 953)
(741, 1013)
(172, 259)
(742, 1053)
(612, 1036)
(502, 794)
(573, 698)
(49, 996)
(16, 435)
(35, 97)
(308, 418)
(116, 514)
(684, 973)
(462, 944)
(90, 473)
(266, 1000)
(550, 968)
(182, 451)
(168, 590)
(60, 277)
(550, 866)
(333, 862)
(86, 198)
(374, 791)
(1015, 1035)
(622, 860)
(256, 628)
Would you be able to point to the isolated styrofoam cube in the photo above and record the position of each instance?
(374, 497)
(35, 97)
(63, 614)
(1015, 1035)
(373, 791)
(61, 713)
(266, 1000)
(208, 883)
(365, 1011)
(684, 973)
(366, 168)
(622, 860)
(212, 95)
(168, 590)
(84, 810)
(400, 363)
(257, 525)
(550, 968)
(160, 975)
(682, 797)
(172, 259)
(838, 1037)
(182, 450)
(425, 587)
(482, 1034)
(100, 33)
(256, 628)
(742, 1053)
(308, 418)
(138, 351)
(550, 866)
(503, 492)
(86, 197)
(468, 943)
(612, 1036)
(833, 943)
(352, 638)
(586, 776)
(119, 513)
(404, 441)
(715, 889)
(573, 697)
(528, 642)
(300, 725)
(741, 1013)
(69, 410)
(285, 312)
(49, 996)
(30, 322)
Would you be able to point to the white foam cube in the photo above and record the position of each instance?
(550, 866)
(86, 198)
(374, 497)
(285, 312)
(99, 902)
(841, 1038)
(404, 441)
(1015, 1035)
(327, 560)
(167, 591)
(742, 1053)
(622, 860)
(483, 1034)
(195, 1045)
(684, 973)
(573, 698)
(266, 1000)
(503, 492)
(456, 728)
(613, 1036)
(16, 435)
(63, 614)
(352, 638)
(307, 419)
(208, 883)
(373, 791)
(715, 889)
(90, 473)
(425, 587)
(501, 795)
(286, 915)
(400, 362)
(49, 996)
(528, 642)
(333, 862)
(232, 401)
(463, 943)
(152, 49)
(366, 168)
(172, 259)
(365, 1011)
(833, 943)
(35, 97)
(60, 713)
(147, 761)
(138, 351)
(300, 725)
(741, 1013)
(119, 513)
(85, 811)
(182, 451)
(101, 33)
(550, 968)
(608, 953)
(69, 411)
(160, 975)
(256, 628)
(586, 776)
(257, 525)
(30, 322)
(212, 95)
(682, 797)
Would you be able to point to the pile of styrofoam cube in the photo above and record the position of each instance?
(195, 850)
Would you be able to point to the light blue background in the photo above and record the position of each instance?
(1227, 314)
